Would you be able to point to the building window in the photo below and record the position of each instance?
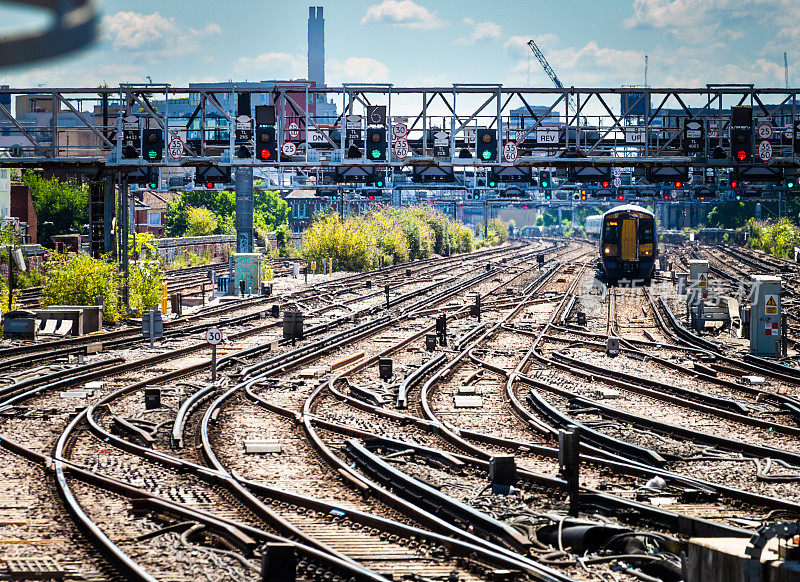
(153, 219)
(300, 210)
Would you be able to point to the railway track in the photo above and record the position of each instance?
(376, 477)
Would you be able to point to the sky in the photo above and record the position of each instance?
(589, 43)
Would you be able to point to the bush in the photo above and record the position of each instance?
(776, 237)
(76, 279)
(145, 285)
(386, 235)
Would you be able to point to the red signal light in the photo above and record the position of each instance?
(620, 197)
(678, 184)
(209, 184)
(734, 184)
(462, 206)
(741, 155)
(666, 196)
(265, 154)
(524, 207)
(431, 201)
(702, 198)
(605, 184)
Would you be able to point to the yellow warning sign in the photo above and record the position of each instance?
(771, 305)
(702, 282)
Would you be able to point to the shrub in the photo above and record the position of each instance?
(145, 285)
(76, 279)
(385, 235)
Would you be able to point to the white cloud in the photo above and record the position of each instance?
(517, 45)
(668, 13)
(406, 13)
(358, 70)
(271, 65)
(481, 31)
(133, 31)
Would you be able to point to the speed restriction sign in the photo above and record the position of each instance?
(213, 336)
(510, 152)
(401, 149)
(399, 130)
(765, 151)
(289, 149)
(175, 148)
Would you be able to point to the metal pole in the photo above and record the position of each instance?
(213, 363)
(152, 342)
(125, 243)
(569, 461)
(10, 278)
(244, 209)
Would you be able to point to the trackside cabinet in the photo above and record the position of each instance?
(765, 315)
(247, 268)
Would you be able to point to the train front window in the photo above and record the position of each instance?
(611, 231)
(646, 230)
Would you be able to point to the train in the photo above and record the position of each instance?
(628, 243)
(593, 225)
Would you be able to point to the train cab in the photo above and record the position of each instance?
(628, 244)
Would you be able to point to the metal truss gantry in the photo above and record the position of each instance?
(87, 128)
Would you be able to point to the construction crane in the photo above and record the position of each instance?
(785, 71)
(551, 73)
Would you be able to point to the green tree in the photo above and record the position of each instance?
(282, 236)
(269, 209)
(61, 207)
(200, 222)
(221, 203)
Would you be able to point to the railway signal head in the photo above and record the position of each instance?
(583, 194)
(266, 145)
(376, 143)
(742, 134)
(153, 145)
(487, 144)
(544, 179)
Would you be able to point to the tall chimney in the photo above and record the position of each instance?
(316, 46)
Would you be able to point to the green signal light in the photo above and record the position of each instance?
(738, 197)
(375, 154)
(486, 154)
(790, 184)
(152, 154)
(153, 186)
(379, 183)
(492, 184)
